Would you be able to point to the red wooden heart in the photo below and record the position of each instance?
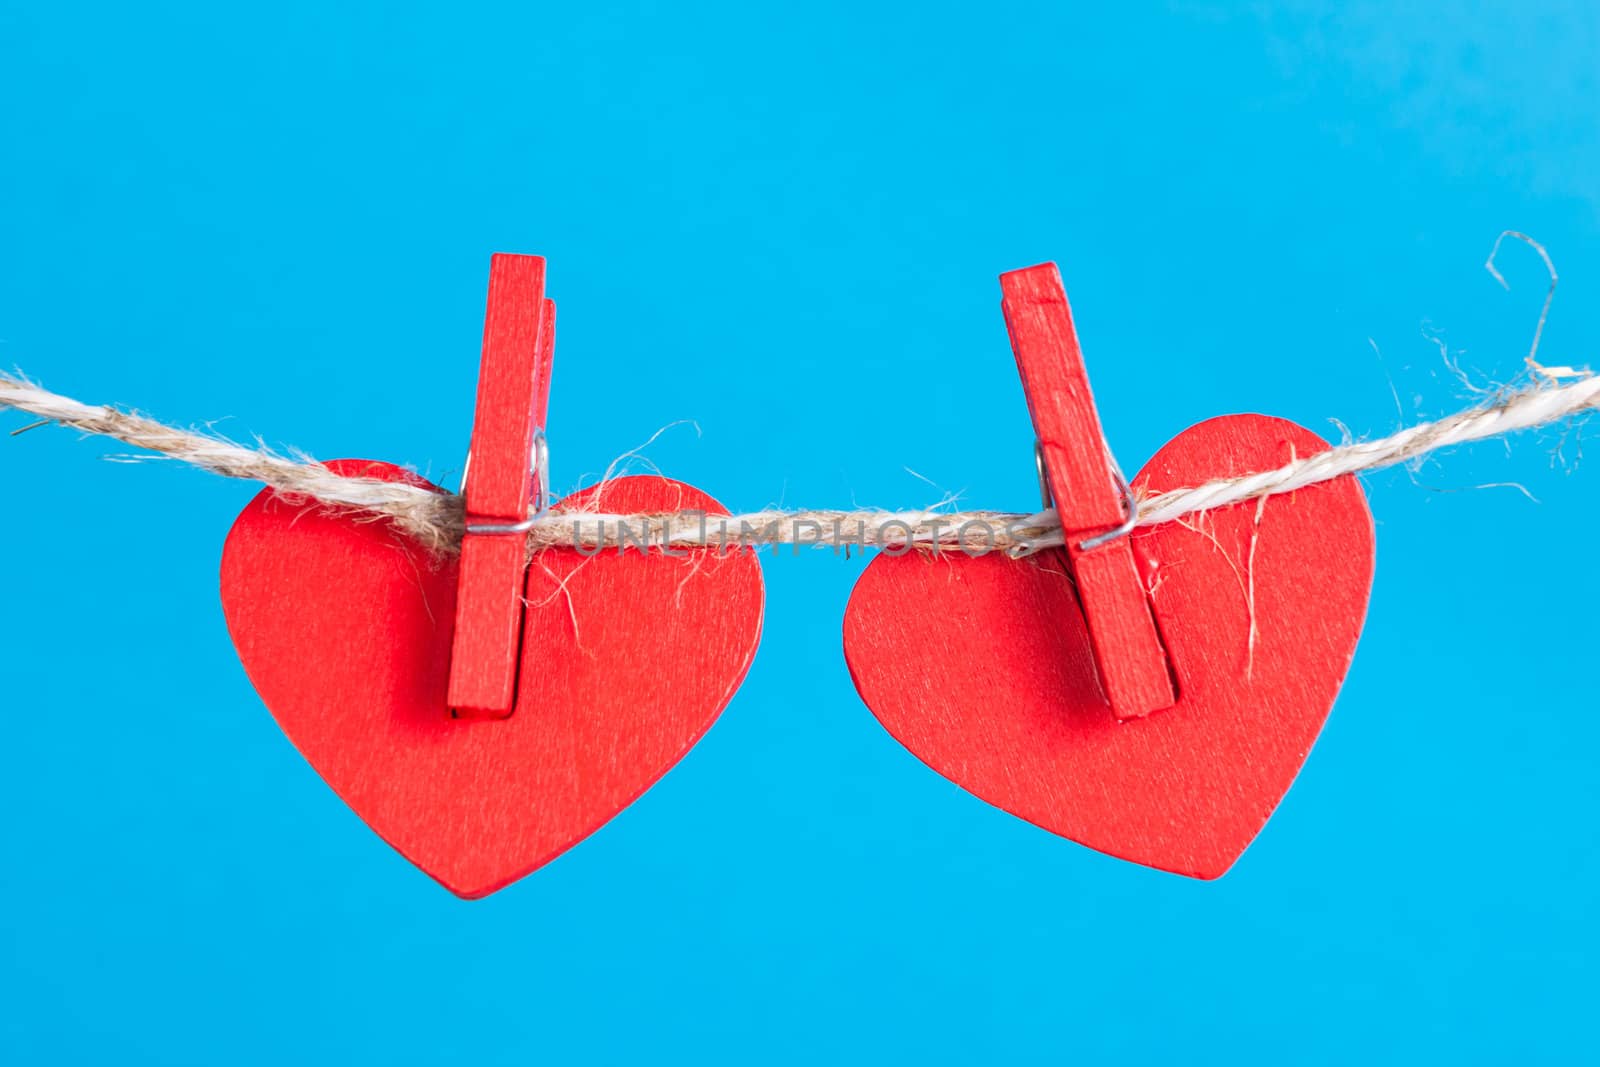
(344, 626)
(981, 666)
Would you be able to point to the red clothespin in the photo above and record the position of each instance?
(1090, 494)
(506, 457)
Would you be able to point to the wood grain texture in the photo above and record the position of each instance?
(1127, 649)
(983, 668)
(513, 388)
(344, 626)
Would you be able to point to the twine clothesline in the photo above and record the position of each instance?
(437, 519)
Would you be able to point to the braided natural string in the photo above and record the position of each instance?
(436, 518)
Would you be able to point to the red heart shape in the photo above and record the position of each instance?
(344, 627)
(981, 665)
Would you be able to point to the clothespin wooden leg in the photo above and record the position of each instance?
(513, 390)
(1089, 494)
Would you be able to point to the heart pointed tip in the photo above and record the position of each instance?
(474, 888)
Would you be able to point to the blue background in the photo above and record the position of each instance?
(787, 225)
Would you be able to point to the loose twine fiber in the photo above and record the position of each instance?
(438, 519)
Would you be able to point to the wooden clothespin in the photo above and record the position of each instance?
(1091, 497)
(505, 471)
